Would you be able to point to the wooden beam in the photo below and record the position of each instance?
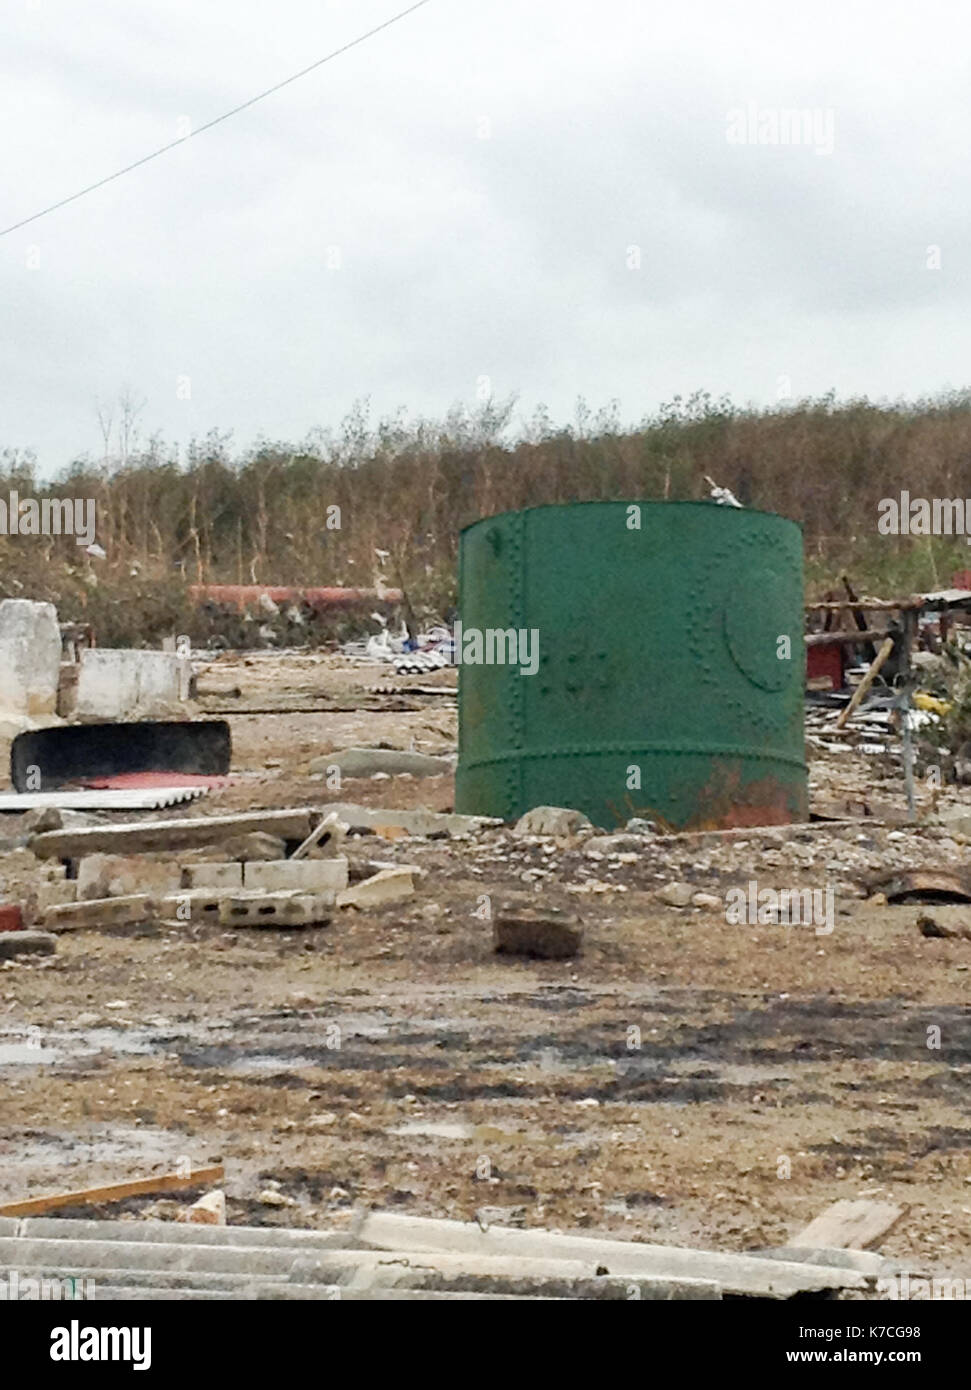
(866, 682)
(115, 1192)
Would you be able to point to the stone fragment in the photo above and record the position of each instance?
(946, 920)
(676, 894)
(368, 762)
(210, 1210)
(708, 901)
(559, 821)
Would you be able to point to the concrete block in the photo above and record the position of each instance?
(388, 886)
(212, 876)
(120, 876)
(311, 875)
(30, 658)
(22, 943)
(123, 683)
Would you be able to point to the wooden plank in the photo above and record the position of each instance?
(115, 1192)
(143, 837)
(850, 1225)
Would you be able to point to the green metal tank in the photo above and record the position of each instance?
(661, 673)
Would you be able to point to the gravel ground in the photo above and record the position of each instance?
(683, 1079)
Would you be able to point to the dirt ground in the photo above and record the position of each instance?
(683, 1080)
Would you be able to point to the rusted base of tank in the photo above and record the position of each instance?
(677, 791)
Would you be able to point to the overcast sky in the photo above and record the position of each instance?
(548, 197)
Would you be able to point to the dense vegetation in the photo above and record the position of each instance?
(219, 514)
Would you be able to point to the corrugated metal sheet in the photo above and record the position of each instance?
(122, 799)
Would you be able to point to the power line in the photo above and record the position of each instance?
(361, 38)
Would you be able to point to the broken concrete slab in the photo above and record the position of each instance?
(26, 943)
(559, 821)
(125, 875)
(126, 684)
(545, 933)
(30, 659)
(736, 1274)
(143, 837)
(101, 912)
(387, 886)
(365, 762)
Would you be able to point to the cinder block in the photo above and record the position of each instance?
(247, 909)
(100, 912)
(312, 875)
(212, 876)
(272, 910)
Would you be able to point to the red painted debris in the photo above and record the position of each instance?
(142, 780)
(11, 917)
(961, 579)
(826, 659)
